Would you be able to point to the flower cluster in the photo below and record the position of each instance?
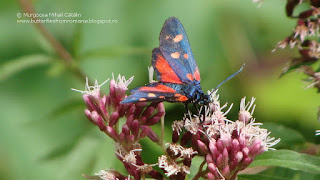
(226, 146)
(106, 111)
(305, 37)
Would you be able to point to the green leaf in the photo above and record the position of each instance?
(115, 52)
(259, 177)
(289, 137)
(81, 159)
(14, 66)
(77, 40)
(294, 64)
(56, 68)
(61, 150)
(196, 162)
(69, 106)
(289, 159)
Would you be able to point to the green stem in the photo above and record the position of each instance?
(162, 135)
(27, 7)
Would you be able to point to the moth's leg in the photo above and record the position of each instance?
(204, 115)
(186, 108)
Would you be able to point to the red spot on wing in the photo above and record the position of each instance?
(197, 74)
(190, 76)
(158, 88)
(166, 72)
(181, 98)
(186, 56)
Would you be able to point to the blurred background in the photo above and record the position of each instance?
(43, 131)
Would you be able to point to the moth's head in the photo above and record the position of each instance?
(204, 99)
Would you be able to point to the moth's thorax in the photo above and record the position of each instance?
(192, 91)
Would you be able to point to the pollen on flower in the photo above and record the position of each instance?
(170, 167)
(177, 126)
(146, 168)
(192, 124)
(105, 175)
(188, 152)
(91, 90)
(129, 157)
(183, 152)
(175, 148)
(245, 114)
(216, 109)
(121, 82)
(301, 31)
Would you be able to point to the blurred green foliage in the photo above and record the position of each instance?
(43, 131)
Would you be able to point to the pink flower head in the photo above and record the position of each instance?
(105, 112)
(228, 146)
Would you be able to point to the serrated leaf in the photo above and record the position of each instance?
(14, 66)
(259, 177)
(289, 137)
(289, 159)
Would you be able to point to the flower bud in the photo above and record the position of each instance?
(112, 133)
(153, 120)
(130, 120)
(131, 110)
(88, 115)
(144, 131)
(219, 145)
(143, 120)
(90, 105)
(219, 162)
(255, 148)
(209, 158)
(135, 128)
(235, 146)
(212, 168)
(225, 156)
(225, 171)
(187, 162)
(98, 120)
(155, 174)
(125, 130)
(211, 176)
(175, 137)
(153, 136)
(202, 147)
(246, 162)
(114, 118)
(185, 138)
(122, 137)
(130, 139)
(148, 112)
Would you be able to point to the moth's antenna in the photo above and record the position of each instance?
(228, 78)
